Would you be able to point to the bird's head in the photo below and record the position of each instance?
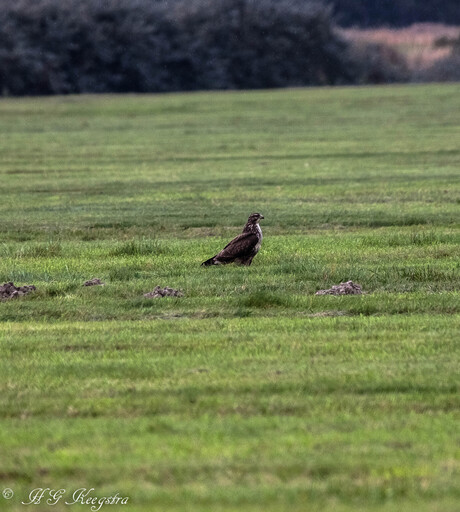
(254, 218)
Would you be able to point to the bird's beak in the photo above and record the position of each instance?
(262, 217)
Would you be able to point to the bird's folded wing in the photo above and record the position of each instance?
(239, 246)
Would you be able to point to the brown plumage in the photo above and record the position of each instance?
(243, 248)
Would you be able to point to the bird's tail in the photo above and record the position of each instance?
(208, 262)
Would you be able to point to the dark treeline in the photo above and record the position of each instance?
(396, 13)
(74, 46)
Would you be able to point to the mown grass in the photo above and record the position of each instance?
(250, 392)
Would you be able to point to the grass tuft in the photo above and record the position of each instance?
(264, 299)
(138, 248)
(39, 250)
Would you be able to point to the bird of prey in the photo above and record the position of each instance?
(242, 248)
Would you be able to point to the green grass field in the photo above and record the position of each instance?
(250, 393)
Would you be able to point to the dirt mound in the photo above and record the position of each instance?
(9, 291)
(94, 282)
(348, 288)
(159, 292)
